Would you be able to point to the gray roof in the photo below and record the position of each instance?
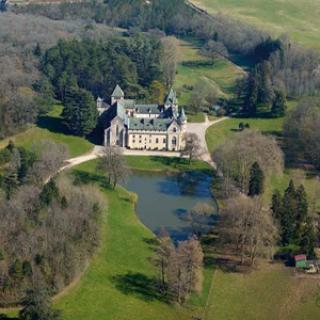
(171, 97)
(117, 92)
(147, 108)
(182, 116)
(149, 124)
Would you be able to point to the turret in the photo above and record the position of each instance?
(117, 95)
(182, 119)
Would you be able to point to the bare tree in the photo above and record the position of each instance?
(192, 148)
(249, 228)
(201, 216)
(164, 251)
(183, 269)
(113, 165)
(235, 157)
(50, 158)
(169, 59)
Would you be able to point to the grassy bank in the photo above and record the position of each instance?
(119, 284)
(299, 19)
(49, 127)
(164, 164)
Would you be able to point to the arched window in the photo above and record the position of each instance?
(174, 129)
(117, 131)
(174, 141)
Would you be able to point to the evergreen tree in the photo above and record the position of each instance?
(80, 113)
(276, 206)
(279, 105)
(37, 306)
(266, 92)
(256, 182)
(49, 192)
(251, 100)
(287, 219)
(308, 238)
(302, 210)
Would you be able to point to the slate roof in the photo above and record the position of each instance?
(117, 92)
(182, 116)
(171, 97)
(147, 108)
(149, 124)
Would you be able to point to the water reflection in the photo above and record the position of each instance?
(165, 201)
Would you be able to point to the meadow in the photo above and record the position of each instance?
(221, 75)
(299, 19)
(49, 127)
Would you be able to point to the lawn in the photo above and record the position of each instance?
(222, 74)
(164, 164)
(119, 283)
(50, 127)
(271, 292)
(221, 132)
(299, 19)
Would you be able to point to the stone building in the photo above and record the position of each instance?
(142, 126)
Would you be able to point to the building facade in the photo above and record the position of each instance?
(142, 126)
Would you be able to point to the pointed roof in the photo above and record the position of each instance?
(182, 116)
(171, 97)
(117, 92)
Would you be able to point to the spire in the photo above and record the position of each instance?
(171, 97)
(117, 92)
(182, 116)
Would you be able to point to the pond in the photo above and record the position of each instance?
(164, 200)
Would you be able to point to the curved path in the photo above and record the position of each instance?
(197, 128)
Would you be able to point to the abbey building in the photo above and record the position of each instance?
(142, 126)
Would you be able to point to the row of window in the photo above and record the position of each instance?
(174, 140)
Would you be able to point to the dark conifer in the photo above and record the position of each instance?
(256, 182)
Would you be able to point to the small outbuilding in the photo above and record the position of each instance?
(301, 261)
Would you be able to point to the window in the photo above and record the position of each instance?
(164, 140)
(157, 140)
(174, 129)
(174, 141)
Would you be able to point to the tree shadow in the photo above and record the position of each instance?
(82, 177)
(139, 285)
(55, 125)
(5, 317)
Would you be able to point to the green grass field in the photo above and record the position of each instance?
(221, 75)
(163, 164)
(50, 128)
(298, 18)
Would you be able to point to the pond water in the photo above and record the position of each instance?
(164, 200)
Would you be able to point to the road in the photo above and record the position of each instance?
(198, 128)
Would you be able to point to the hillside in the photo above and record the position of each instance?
(299, 19)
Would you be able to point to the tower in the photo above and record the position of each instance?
(117, 95)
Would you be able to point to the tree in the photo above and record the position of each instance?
(212, 49)
(37, 306)
(256, 182)
(236, 157)
(279, 105)
(80, 113)
(201, 216)
(192, 148)
(158, 92)
(249, 228)
(164, 251)
(184, 272)
(301, 132)
(169, 60)
(112, 164)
